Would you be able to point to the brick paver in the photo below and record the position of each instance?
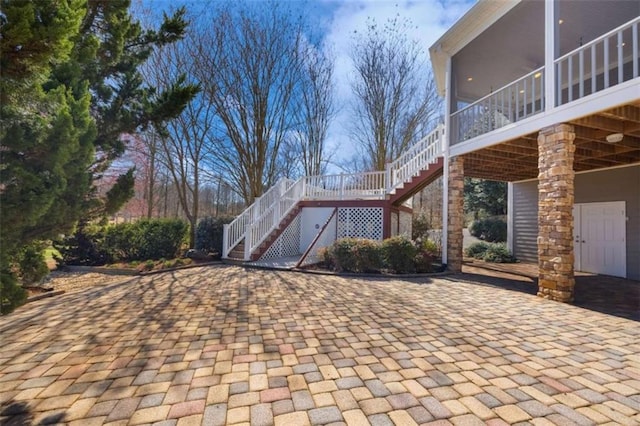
(227, 345)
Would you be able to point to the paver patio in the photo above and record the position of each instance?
(227, 345)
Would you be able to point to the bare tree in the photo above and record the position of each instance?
(249, 70)
(188, 139)
(395, 96)
(315, 109)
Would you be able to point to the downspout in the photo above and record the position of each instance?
(510, 217)
(445, 160)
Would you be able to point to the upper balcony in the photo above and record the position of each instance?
(509, 63)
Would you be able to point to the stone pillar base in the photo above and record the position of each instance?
(555, 212)
(455, 219)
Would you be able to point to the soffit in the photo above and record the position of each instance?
(518, 159)
(481, 16)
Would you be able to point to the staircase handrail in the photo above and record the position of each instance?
(271, 217)
(417, 157)
(236, 230)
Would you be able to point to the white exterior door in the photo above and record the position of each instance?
(600, 238)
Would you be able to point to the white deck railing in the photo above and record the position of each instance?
(263, 216)
(609, 60)
(515, 101)
(367, 185)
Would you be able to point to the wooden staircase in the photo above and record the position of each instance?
(417, 183)
(263, 222)
(237, 253)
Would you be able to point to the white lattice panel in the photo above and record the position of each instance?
(404, 227)
(287, 243)
(360, 222)
(394, 224)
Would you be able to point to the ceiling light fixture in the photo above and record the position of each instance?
(469, 78)
(614, 137)
(560, 21)
(537, 75)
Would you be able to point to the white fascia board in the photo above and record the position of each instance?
(620, 94)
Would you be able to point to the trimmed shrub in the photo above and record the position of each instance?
(209, 234)
(368, 256)
(354, 255)
(147, 239)
(31, 264)
(396, 254)
(477, 250)
(121, 242)
(399, 254)
(343, 255)
(493, 230)
(158, 238)
(498, 253)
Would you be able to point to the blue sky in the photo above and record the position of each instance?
(337, 20)
(340, 19)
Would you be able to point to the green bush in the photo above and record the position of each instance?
(147, 239)
(31, 263)
(12, 294)
(368, 256)
(493, 230)
(477, 250)
(498, 253)
(342, 254)
(159, 238)
(122, 242)
(209, 234)
(399, 254)
(84, 247)
(354, 255)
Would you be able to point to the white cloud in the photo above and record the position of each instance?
(430, 18)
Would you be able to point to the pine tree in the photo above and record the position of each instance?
(70, 88)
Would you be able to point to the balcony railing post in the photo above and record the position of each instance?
(225, 241)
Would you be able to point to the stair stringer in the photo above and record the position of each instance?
(276, 233)
(417, 183)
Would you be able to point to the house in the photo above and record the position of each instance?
(546, 96)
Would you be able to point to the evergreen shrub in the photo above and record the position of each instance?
(147, 239)
(399, 254)
(493, 230)
(209, 234)
(31, 263)
(496, 253)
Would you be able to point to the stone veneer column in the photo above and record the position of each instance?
(555, 212)
(455, 219)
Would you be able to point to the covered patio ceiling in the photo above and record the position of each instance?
(518, 159)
